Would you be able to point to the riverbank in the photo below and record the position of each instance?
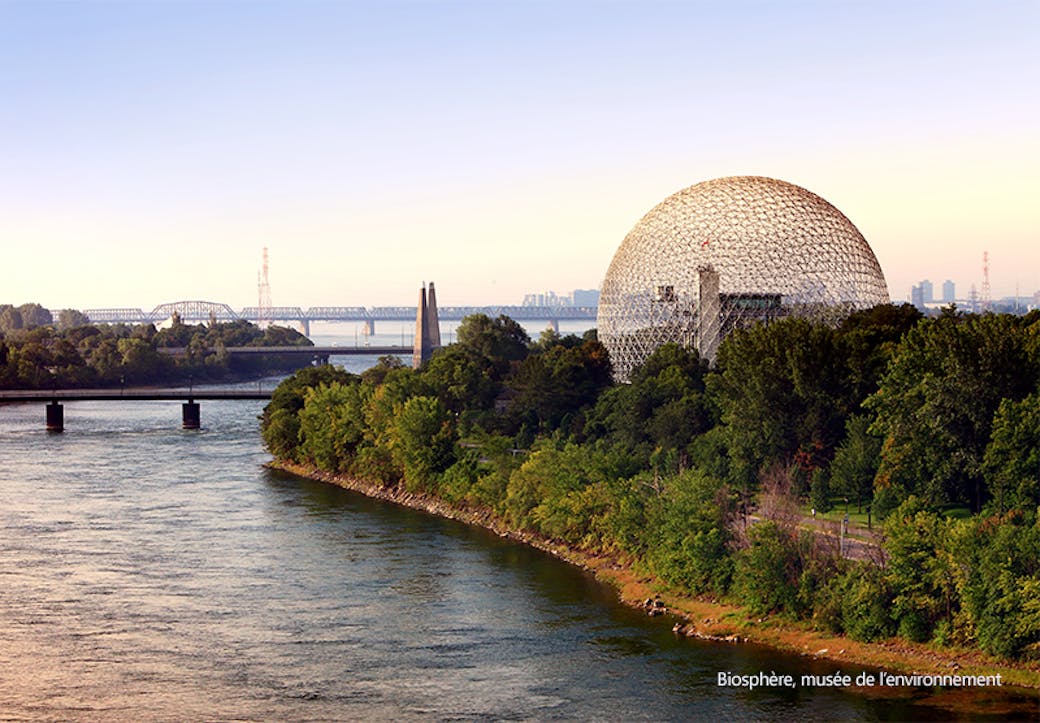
(705, 618)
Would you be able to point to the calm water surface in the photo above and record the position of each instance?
(148, 573)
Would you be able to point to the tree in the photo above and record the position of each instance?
(10, 318)
(663, 407)
(869, 339)
(280, 422)
(780, 391)
(139, 362)
(554, 385)
(820, 491)
(936, 404)
(422, 441)
(768, 570)
(70, 319)
(687, 535)
(34, 315)
(462, 379)
(332, 423)
(1011, 464)
(501, 340)
(856, 461)
(1001, 594)
(920, 570)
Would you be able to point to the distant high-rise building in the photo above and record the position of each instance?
(580, 297)
(917, 296)
(927, 291)
(949, 292)
(585, 297)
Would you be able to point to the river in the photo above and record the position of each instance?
(151, 573)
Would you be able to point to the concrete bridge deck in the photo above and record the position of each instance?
(136, 394)
(189, 398)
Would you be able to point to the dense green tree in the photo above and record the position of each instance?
(868, 339)
(820, 491)
(936, 404)
(554, 385)
(664, 407)
(422, 440)
(70, 319)
(687, 537)
(920, 571)
(856, 462)
(34, 315)
(500, 340)
(1011, 465)
(280, 423)
(767, 572)
(463, 380)
(331, 423)
(780, 391)
(856, 600)
(1002, 589)
(10, 318)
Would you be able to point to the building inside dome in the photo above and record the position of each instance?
(728, 253)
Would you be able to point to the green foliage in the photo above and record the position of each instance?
(70, 319)
(937, 401)
(422, 440)
(780, 390)
(548, 387)
(1011, 464)
(856, 601)
(280, 423)
(921, 570)
(375, 375)
(820, 491)
(868, 340)
(1002, 586)
(332, 424)
(500, 340)
(461, 379)
(856, 461)
(73, 353)
(663, 408)
(687, 535)
(457, 482)
(767, 572)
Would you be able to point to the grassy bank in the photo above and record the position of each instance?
(706, 618)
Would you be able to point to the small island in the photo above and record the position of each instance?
(39, 351)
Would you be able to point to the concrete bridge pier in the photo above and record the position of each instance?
(55, 417)
(554, 325)
(190, 416)
(305, 327)
(370, 327)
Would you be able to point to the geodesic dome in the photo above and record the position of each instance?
(728, 253)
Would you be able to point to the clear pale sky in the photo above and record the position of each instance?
(149, 150)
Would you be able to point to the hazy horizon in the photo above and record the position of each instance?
(153, 149)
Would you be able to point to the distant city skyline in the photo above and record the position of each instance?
(151, 150)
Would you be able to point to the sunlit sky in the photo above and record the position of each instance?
(150, 150)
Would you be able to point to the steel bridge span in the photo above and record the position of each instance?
(204, 311)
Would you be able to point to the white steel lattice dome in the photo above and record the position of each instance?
(727, 253)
